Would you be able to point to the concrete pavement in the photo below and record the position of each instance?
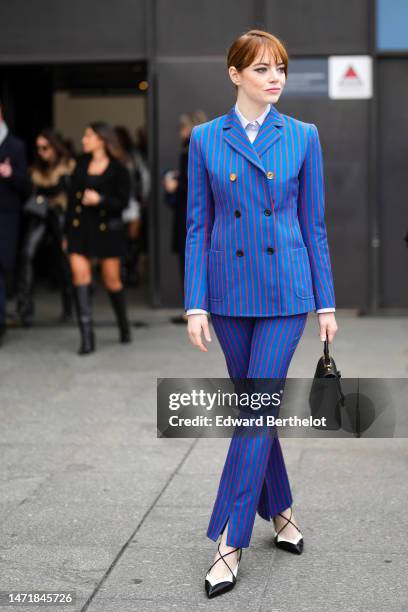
(92, 501)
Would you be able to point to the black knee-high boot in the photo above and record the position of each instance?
(117, 299)
(82, 300)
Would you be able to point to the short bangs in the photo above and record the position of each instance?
(245, 49)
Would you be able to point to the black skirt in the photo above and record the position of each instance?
(94, 236)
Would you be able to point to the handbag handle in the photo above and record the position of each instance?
(326, 350)
(327, 360)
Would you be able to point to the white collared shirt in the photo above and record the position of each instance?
(251, 128)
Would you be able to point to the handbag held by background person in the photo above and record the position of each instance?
(36, 205)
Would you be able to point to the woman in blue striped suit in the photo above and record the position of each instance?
(257, 259)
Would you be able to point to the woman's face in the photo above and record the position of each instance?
(45, 150)
(262, 82)
(91, 141)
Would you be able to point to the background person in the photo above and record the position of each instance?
(50, 175)
(131, 215)
(143, 189)
(100, 191)
(14, 188)
(175, 185)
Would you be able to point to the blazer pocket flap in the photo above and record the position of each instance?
(301, 273)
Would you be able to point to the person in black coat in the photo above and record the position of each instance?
(14, 188)
(50, 175)
(176, 187)
(100, 190)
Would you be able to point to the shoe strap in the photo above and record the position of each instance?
(222, 557)
(287, 522)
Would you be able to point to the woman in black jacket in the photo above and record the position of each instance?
(50, 176)
(100, 190)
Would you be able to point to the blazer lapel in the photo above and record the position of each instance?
(235, 135)
(269, 133)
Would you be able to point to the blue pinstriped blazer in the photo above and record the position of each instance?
(256, 238)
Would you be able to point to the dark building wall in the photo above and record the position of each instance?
(318, 27)
(74, 30)
(392, 180)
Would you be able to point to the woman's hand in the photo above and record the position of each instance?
(327, 323)
(6, 169)
(196, 323)
(91, 197)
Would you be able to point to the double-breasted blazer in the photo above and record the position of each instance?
(98, 230)
(256, 238)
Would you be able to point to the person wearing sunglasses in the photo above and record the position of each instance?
(45, 218)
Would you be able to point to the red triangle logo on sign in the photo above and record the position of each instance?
(350, 73)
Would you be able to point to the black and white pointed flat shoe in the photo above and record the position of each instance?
(291, 545)
(217, 586)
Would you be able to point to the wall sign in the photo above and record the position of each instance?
(350, 76)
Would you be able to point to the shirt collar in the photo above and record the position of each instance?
(245, 121)
(3, 131)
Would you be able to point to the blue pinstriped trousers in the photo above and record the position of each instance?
(254, 477)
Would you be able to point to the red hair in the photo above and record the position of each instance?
(245, 49)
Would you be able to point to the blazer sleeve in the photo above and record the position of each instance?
(311, 206)
(199, 223)
(118, 199)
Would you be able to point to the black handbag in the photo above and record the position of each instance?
(36, 205)
(326, 397)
